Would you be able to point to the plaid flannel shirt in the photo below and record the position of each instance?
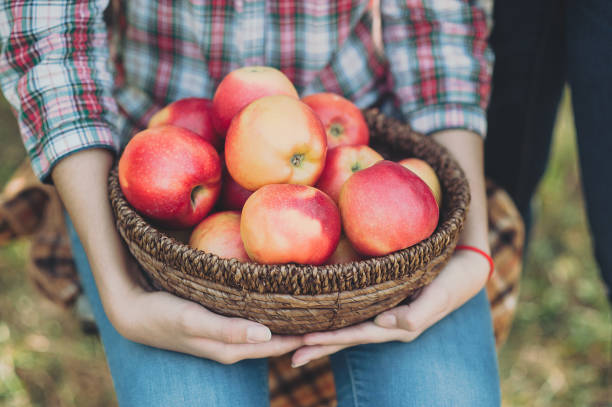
(70, 92)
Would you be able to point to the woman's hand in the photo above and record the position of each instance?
(463, 277)
(162, 320)
(152, 318)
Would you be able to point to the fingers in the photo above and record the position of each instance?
(168, 322)
(150, 317)
(403, 323)
(366, 332)
(232, 353)
(310, 353)
(460, 280)
(197, 321)
(431, 306)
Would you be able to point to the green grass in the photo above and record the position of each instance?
(558, 353)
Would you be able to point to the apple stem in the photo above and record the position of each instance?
(356, 167)
(297, 159)
(336, 130)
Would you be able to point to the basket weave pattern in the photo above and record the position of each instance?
(295, 299)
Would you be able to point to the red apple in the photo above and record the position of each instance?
(220, 234)
(386, 208)
(233, 196)
(171, 175)
(193, 114)
(285, 223)
(426, 173)
(341, 163)
(343, 121)
(275, 140)
(344, 253)
(244, 85)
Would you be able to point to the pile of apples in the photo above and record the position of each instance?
(260, 175)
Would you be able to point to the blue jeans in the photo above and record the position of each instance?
(540, 45)
(454, 363)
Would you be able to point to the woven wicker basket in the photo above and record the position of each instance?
(295, 299)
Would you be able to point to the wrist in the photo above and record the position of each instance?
(482, 254)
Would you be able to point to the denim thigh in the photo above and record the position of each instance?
(148, 377)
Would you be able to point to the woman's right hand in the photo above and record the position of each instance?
(162, 320)
(156, 319)
(165, 321)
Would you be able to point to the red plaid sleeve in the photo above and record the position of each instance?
(54, 70)
(440, 62)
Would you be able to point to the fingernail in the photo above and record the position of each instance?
(386, 321)
(256, 334)
(298, 364)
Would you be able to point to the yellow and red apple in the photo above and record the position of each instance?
(219, 234)
(341, 162)
(275, 140)
(286, 223)
(426, 173)
(385, 208)
(244, 85)
(343, 121)
(171, 175)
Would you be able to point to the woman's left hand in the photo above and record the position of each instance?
(462, 278)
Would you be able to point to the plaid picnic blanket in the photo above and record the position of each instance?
(31, 209)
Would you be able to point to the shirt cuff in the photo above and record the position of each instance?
(69, 139)
(434, 118)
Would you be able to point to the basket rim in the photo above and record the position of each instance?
(138, 231)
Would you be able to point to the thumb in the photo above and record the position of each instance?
(427, 309)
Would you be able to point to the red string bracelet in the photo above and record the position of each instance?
(477, 250)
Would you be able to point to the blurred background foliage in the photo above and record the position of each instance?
(558, 353)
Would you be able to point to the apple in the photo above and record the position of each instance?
(343, 121)
(426, 173)
(341, 162)
(244, 85)
(286, 223)
(233, 196)
(220, 234)
(275, 140)
(193, 114)
(385, 208)
(171, 175)
(344, 253)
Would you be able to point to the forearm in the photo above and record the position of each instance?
(81, 180)
(467, 149)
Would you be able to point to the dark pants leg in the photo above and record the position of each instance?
(538, 46)
(528, 79)
(589, 56)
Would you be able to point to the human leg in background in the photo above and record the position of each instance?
(528, 79)
(147, 376)
(453, 363)
(589, 56)
(538, 46)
